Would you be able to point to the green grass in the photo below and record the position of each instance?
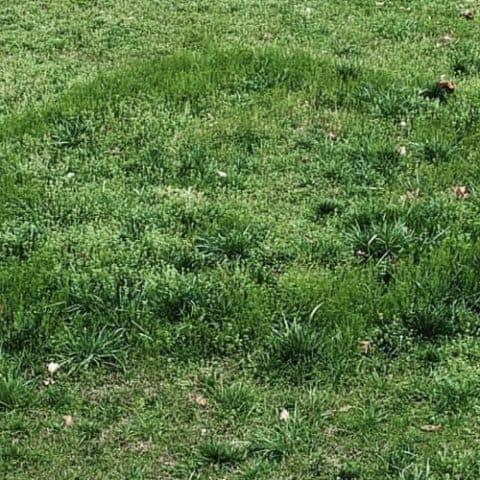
(212, 212)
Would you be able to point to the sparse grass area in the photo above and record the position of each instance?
(248, 232)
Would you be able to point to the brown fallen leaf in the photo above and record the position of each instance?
(332, 136)
(440, 89)
(460, 191)
(366, 346)
(199, 399)
(68, 420)
(284, 415)
(430, 428)
(446, 85)
(467, 14)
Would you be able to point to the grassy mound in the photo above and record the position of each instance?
(254, 262)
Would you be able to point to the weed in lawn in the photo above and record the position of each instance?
(15, 391)
(220, 452)
(238, 397)
(276, 443)
(382, 241)
(89, 348)
(295, 343)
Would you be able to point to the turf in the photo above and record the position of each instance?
(248, 234)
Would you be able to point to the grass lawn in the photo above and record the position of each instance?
(244, 236)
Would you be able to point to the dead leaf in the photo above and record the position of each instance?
(461, 192)
(199, 399)
(142, 446)
(446, 85)
(221, 174)
(344, 409)
(366, 346)
(412, 194)
(440, 90)
(402, 150)
(430, 428)
(68, 420)
(53, 368)
(467, 14)
(332, 136)
(284, 415)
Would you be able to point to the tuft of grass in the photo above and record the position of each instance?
(236, 397)
(222, 453)
(85, 349)
(382, 241)
(15, 391)
(295, 343)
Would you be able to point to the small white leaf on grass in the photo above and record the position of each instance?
(221, 174)
(68, 420)
(53, 367)
(48, 381)
(467, 14)
(284, 415)
(365, 346)
(307, 12)
(402, 150)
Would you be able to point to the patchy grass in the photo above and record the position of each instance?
(248, 209)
